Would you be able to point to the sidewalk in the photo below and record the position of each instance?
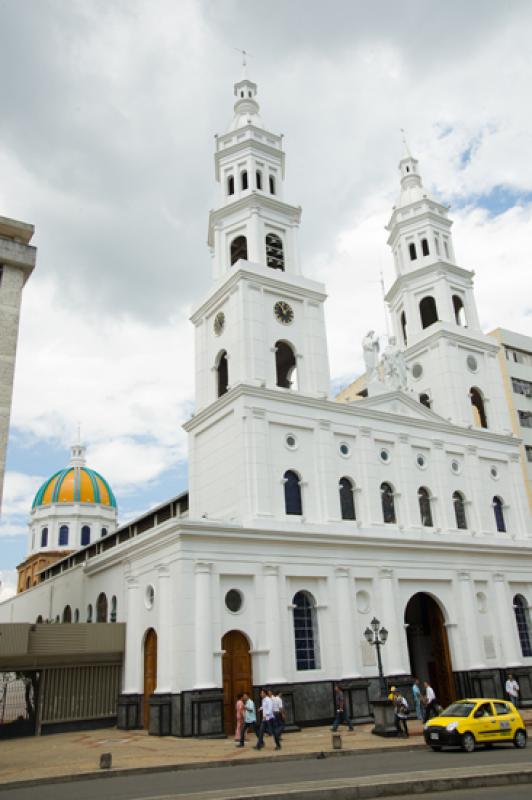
(69, 754)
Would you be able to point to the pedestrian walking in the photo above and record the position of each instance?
(250, 719)
(266, 724)
(429, 701)
(512, 690)
(341, 711)
(400, 710)
(278, 712)
(239, 713)
(416, 692)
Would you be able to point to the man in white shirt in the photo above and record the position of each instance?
(267, 721)
(278, 712)
(430, 701)
(512, 690)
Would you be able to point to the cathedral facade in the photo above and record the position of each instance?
(307, 518)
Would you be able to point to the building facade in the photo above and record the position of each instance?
(306, 517)
(17, 260)
(515, 362)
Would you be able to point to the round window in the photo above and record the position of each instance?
(344, 449)
(455, 466)
(233, 600)
(417, 371)
(291, 441)
(472, 363)
(384, 455)
(494, 472)
(421, 461)
(149, 596)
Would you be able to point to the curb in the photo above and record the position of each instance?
(124, 772)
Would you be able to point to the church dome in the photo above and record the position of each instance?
(75, 484)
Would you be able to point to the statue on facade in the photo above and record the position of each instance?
(370, 347)
(394, 369)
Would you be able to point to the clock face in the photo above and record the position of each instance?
(284, 312)
(219, 323)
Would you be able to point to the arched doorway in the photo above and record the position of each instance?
(150, 673)
(236, 674)
(428, 646)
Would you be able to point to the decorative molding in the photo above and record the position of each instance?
(386, 573)
(270, 569)
(202, 567)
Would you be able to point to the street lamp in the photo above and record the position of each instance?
(376, 636)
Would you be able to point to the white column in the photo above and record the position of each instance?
(468, 627)
(347, 633)
(164, 631)
(507, 628)
(133, 655)
(391, 652)
(203, 626)
(272, 619)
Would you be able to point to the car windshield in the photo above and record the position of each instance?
(458, 710)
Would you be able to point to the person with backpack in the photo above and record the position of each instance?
(401, 710)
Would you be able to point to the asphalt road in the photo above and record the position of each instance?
(143, 786)
(494, 793)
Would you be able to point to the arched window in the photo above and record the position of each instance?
(306, 631)
(101, 608)
(239, 249)
(222, 373)
(459, 511)
(347, 499)
(112, 618)
(459, 311)
(89, 613)
(28, 582)
(274, 251)
(76, 615)
(479, 412)
(424, 399)
(292, 493)
(498, 507)
(63, 535)
(85, 535)
(428, 311)
(244, 180)
(44, 537)
(230, 185)
(425, 247)
(388, 503)
(425, 511)
(403, 327)
(39, 620)
(285, 365)
(258, 180)
(67, 614)
(412, 251)
(104, 532)
(271, 181)
(523, 624)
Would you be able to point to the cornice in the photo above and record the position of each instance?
(470, 340)
(251, 201)
(354, 410)
(395, 224)
(247, 142)
(425, 272)
(290, 285)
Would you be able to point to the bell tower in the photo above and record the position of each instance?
(260, 335)
(262, 323)
(452, 364)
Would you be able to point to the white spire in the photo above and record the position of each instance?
(77, 451)
(246, 107)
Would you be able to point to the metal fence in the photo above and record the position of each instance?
(70, 694)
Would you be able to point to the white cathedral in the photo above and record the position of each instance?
(307, 517)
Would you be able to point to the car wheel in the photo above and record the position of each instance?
(520, 739)
(436, 747)
(468, 742)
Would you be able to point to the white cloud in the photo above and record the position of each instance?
(19, 491)
(8, 583)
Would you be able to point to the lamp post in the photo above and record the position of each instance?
(376, 636)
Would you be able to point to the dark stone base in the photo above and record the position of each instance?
(491, 683)
(129, 712)
(78, 725)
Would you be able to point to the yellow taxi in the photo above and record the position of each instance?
(467, 723)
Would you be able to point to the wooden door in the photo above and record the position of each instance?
(236, 674)
(150, 673)
(443, 680)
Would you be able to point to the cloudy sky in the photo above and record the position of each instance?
(108, 110)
